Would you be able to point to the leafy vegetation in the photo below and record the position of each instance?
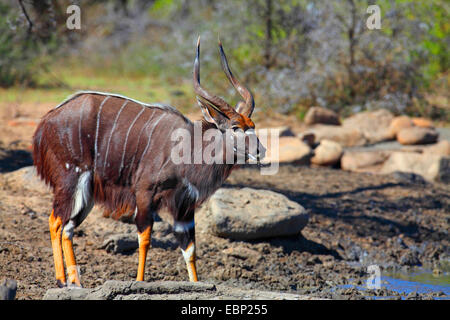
(292, 53)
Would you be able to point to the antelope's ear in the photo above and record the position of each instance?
(213, 115)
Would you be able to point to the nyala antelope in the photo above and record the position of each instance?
(115, 151)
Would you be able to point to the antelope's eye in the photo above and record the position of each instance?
(235, 128)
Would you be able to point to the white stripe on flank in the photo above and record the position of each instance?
(79, 129)
(150, 136)
(96, 131)
(126, 139)
(139, 139)
(112, 131)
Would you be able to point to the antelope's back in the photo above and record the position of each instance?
(107, 134)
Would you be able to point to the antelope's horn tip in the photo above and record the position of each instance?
(198, 41)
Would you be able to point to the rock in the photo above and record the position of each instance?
(8, 289)
(431, 167)
(328, 153)
(363, 161)
(442, 148)
(423, 122)
(345, 136)
(374, 125)
(399, 123)
(316, 115)
(120, 243)
(162, 237)
(290, 150)
(26, 178)
(245, 214)
(417, 135)
(118, 290)
(166, 290)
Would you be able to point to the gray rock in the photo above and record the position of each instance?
(120, 243)
(245, 214)
(431, 167)
(166, 290)
(114, 289)
(162, 237)
(8, 289)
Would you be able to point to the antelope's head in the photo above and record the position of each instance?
(234, 123)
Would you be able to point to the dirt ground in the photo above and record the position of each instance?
(356, 219)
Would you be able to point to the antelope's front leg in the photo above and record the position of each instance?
(185, 234)
(144, 244)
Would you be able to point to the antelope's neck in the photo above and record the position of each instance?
(207, 178)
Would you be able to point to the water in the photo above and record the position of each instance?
(422, 281)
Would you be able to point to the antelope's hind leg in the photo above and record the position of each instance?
(70, 209)
(185, 234)
(55, 225)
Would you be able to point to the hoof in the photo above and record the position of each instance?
(60, 284)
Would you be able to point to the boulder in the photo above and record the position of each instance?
(417, 135)
(423, 122)
(431, 167)
(345, 136)
(442, 148)
(167, 290)
(246, 214)
(399, 123)
(316, 115)
(120, 243)
(132, 290)
(290, 150)
(328, 153)
(363, 161)
(374, 125)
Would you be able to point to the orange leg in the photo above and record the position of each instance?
(189, 258)
(55, 225)
(69, 256)
(144, 244)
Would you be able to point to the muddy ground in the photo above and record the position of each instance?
(356, 219)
